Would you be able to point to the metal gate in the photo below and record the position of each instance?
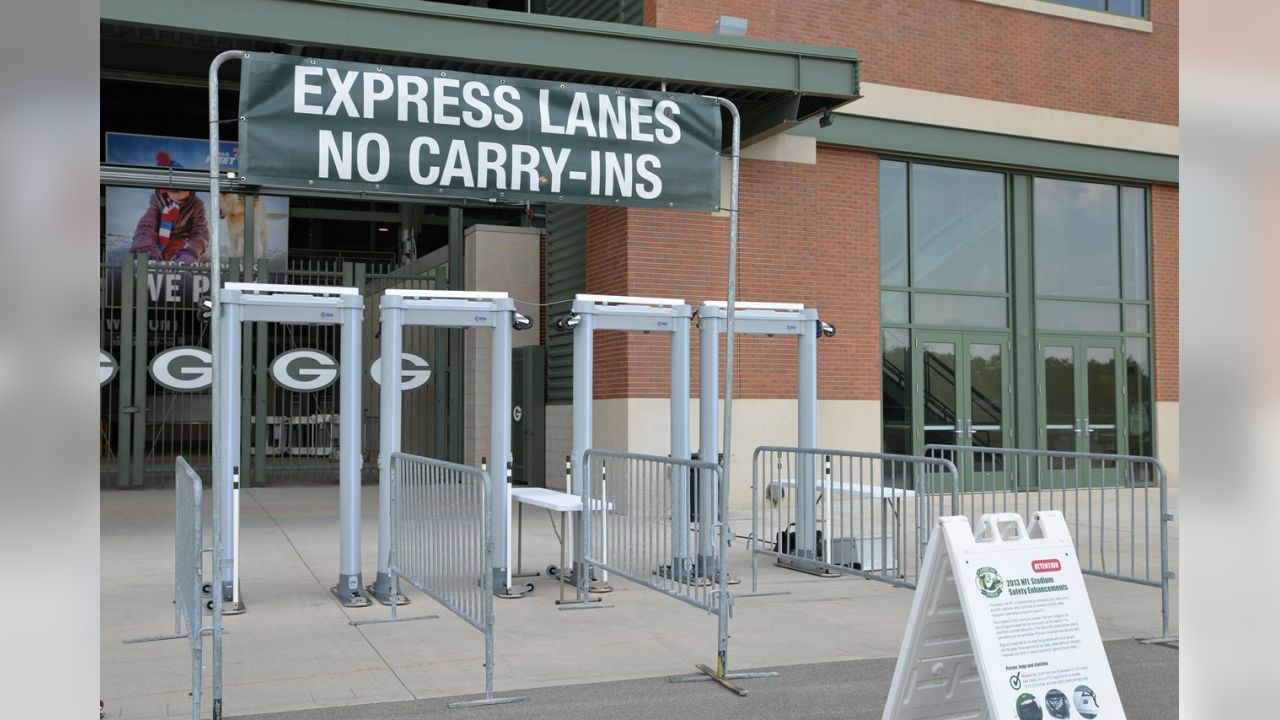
(155, 396)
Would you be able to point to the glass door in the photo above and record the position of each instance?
(1081, 399)
(962, 397)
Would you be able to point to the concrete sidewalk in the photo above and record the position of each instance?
(296, 649)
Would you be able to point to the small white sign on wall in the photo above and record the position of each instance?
(1001, 628)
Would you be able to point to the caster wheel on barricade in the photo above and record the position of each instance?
(529, 587)
(553, 570)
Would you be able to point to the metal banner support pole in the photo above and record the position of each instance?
(221, 507)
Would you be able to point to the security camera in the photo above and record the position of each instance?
(567, 322)
(827, 329)
(521, 322)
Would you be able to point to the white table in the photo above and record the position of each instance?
(554, 501)
(888, 497)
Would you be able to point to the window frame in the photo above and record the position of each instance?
(1144, 15)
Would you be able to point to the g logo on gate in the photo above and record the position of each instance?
(304, 370)
(107, 367)
(186, 368)
(414, 371)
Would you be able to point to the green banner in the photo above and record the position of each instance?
(321, 124)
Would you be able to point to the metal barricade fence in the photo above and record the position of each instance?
(1117, 506)
(640, 522)
(192, 594)
(442, 544)
(873, 516)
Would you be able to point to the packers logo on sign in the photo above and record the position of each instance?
(185, 369)
(990, 583)
(304, 370)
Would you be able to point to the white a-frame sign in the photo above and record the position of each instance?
(1001, 628)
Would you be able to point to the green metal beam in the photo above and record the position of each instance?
(770, 119)
(931, 141)
(496, 39)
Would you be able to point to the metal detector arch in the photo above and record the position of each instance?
(632, 314)
(448, 309)
(762, 318)
(298, 304)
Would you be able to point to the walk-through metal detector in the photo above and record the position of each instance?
(770, 319)
(448, 309)
(643, 314)
(301, 305)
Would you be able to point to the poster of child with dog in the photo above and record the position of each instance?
(172, 224)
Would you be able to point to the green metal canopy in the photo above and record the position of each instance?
(775, 85)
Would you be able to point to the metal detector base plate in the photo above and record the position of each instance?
(509, 594)
(805, 566)
(567, 578)
(399, 599)
(489, 701)
(230, 608)
(353, 601)
(688, 578)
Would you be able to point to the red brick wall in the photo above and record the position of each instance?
(965, 47)
(808, 233)
(1164, 271)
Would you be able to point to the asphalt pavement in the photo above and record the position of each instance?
(1146, 676)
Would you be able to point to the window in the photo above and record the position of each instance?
(1090, 253)
(958, 229)
(964, 254)
(1130, 8)
(943, 239)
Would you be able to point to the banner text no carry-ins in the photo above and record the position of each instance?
(353, 127)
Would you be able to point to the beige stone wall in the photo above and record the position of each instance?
(499, 259)
(559, 443)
